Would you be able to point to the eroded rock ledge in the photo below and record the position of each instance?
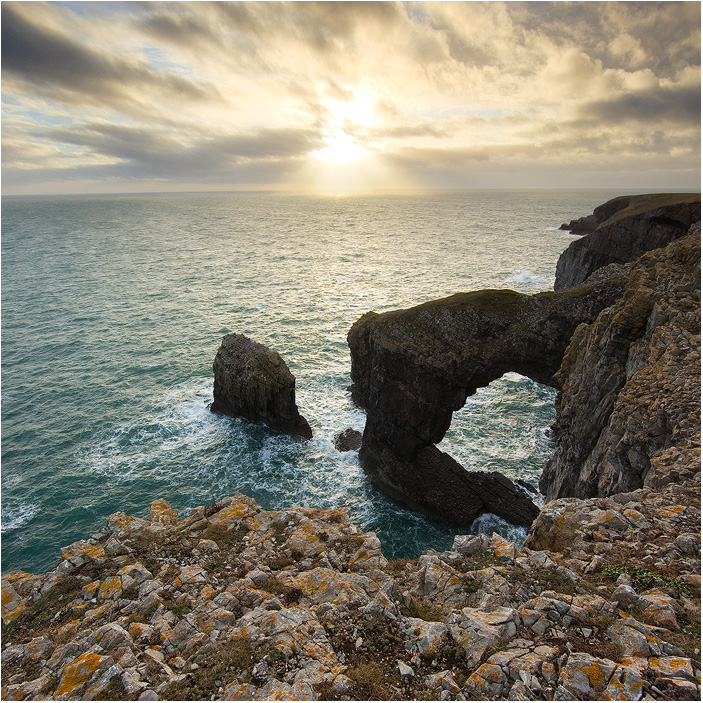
(234, 602)
(413, 368)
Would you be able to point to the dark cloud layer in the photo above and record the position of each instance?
(51, 62)
(155, 155)
(675, 104)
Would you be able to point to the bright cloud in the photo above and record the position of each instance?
(107, 96)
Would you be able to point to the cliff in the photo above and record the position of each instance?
(645, 222)
(630, 381)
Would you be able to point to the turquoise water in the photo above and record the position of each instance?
(113, 308)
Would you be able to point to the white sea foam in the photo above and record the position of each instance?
(488, 523)
(16, 516)
(527, 276)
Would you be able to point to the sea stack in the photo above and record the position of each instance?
(253, 382)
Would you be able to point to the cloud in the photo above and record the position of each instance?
(52, 64)
(149, 153)
(676, 104)
(216, 92)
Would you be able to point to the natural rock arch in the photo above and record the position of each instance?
(505, 427)
(411, 369)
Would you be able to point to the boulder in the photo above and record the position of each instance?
(412, 368)
(347, 441)
(253, 382)
(627, 227)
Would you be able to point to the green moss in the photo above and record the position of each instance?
(645, 578)
(180, 608)
(227, 662)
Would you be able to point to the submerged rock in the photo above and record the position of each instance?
(347, 441)
(253, 382)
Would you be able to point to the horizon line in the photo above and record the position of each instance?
(343, 193)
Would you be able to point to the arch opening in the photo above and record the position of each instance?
(504, 427)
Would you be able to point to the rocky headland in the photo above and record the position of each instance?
(233, 602)
(411, 369)
(625, 229)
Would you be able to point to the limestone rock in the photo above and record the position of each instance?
(413, 368)
(252, 620)
(253, 382)
(625, 233)
(630, 380)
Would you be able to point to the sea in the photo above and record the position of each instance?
(113, 308)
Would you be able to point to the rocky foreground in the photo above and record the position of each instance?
(237, 603)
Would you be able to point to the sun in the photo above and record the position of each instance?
(341, 149)
(350, 159)
(344, 119)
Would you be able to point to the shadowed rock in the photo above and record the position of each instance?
(413, 368)
(347, 441)
(588, 224)
(627, 227)
(630, 380)
(253, 382)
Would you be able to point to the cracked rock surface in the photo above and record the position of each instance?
(238, 603)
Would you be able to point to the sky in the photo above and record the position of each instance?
(102, 97)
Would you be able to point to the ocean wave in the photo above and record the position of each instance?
(526, 276)
(488, 523)
(178, 422)
(16, 516)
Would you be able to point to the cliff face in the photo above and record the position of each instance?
(644, 223)
(412, 368)
(630, 381)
